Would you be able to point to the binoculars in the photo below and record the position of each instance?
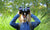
(24, 11)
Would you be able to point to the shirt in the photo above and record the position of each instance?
(25, 25)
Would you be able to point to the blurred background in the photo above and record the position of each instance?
(9, 8)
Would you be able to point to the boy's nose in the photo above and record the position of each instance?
(24, 15)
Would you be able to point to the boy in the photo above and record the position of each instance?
(25, 24)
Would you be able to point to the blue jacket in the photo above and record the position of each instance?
(25, 25)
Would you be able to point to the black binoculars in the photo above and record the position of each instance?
(26, 10)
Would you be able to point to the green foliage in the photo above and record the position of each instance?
(9, 8)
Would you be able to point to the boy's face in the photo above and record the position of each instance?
(24, 13)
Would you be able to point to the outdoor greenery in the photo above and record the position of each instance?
(9, 8)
